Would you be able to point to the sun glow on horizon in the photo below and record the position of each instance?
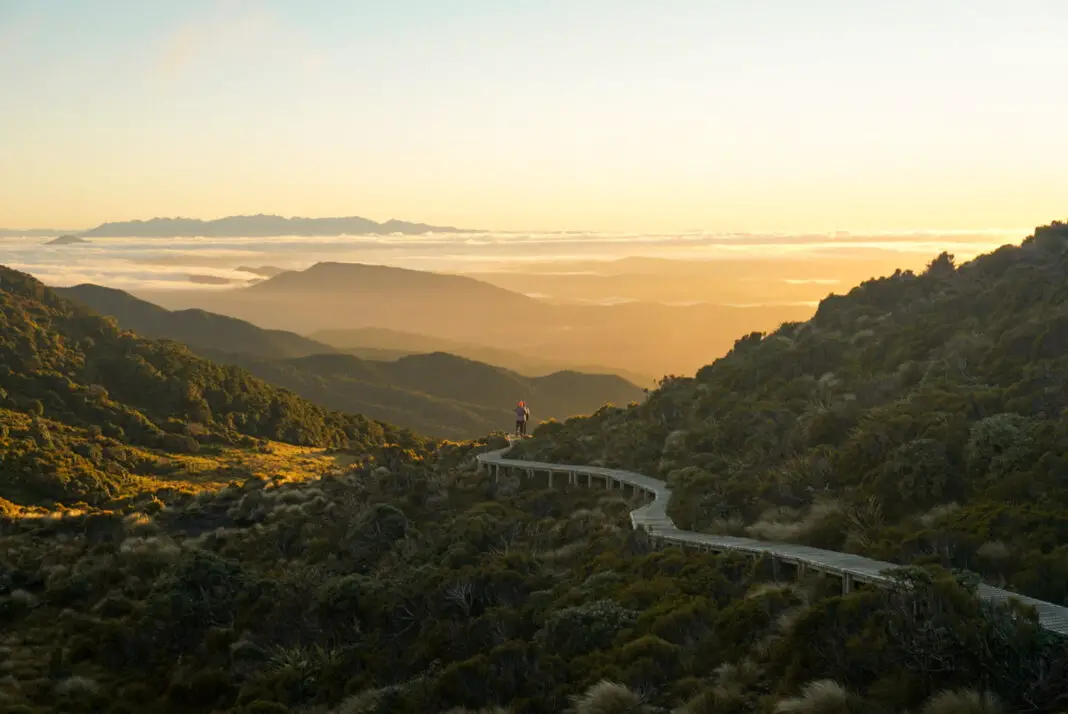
(547, 116)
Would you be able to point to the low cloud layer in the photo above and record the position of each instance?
(205, 263)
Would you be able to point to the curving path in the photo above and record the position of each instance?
(653, 518)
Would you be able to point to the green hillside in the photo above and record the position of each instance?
(917, 419)
(436, 394)
(213, 571)
(424, 587)
(385, 344)
(83, 404)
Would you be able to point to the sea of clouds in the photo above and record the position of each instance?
(205, 263)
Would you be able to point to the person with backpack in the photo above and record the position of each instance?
(522, 415)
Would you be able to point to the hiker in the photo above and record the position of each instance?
(522, 414)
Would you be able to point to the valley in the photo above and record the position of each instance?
(646, 338)
(437, 394)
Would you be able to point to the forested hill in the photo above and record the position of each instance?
(413, 584)
(67, 371)
(438, 394)
(919, 418)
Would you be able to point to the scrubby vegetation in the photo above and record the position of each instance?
(918, 419)
(388, 576)
(425, 587)
(84, 406)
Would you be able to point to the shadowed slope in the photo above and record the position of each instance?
(437, 394)
(643, 337)
(195, 328)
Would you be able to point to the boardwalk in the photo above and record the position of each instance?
(653, 518)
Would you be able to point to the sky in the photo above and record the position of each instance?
(601, 115)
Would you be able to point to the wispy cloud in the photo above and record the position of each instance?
(229, 27)
(240, 30)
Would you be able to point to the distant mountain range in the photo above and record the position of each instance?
(381, 343)
(67, 240)
(260, 226)
(437, 394)
(644, 338)
(344, 295)
(196, 329)
(200, 329)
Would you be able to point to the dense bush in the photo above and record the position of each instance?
(424, 588)
(78, 378)
(918, 419)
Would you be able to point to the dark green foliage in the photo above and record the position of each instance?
(586, 628)
(429, 587)
(892, 424)
(78, 375)
(920, 418)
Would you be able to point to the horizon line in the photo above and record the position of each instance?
(837, 232)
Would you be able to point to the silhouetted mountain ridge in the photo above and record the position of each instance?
(643, 337)
(260, 226)
(334, 277)
(67, 240)
(380, 343)
(194, 327)
(438, 394)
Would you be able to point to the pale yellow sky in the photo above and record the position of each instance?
(595, 115)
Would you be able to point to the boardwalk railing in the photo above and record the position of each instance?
(652, 517)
